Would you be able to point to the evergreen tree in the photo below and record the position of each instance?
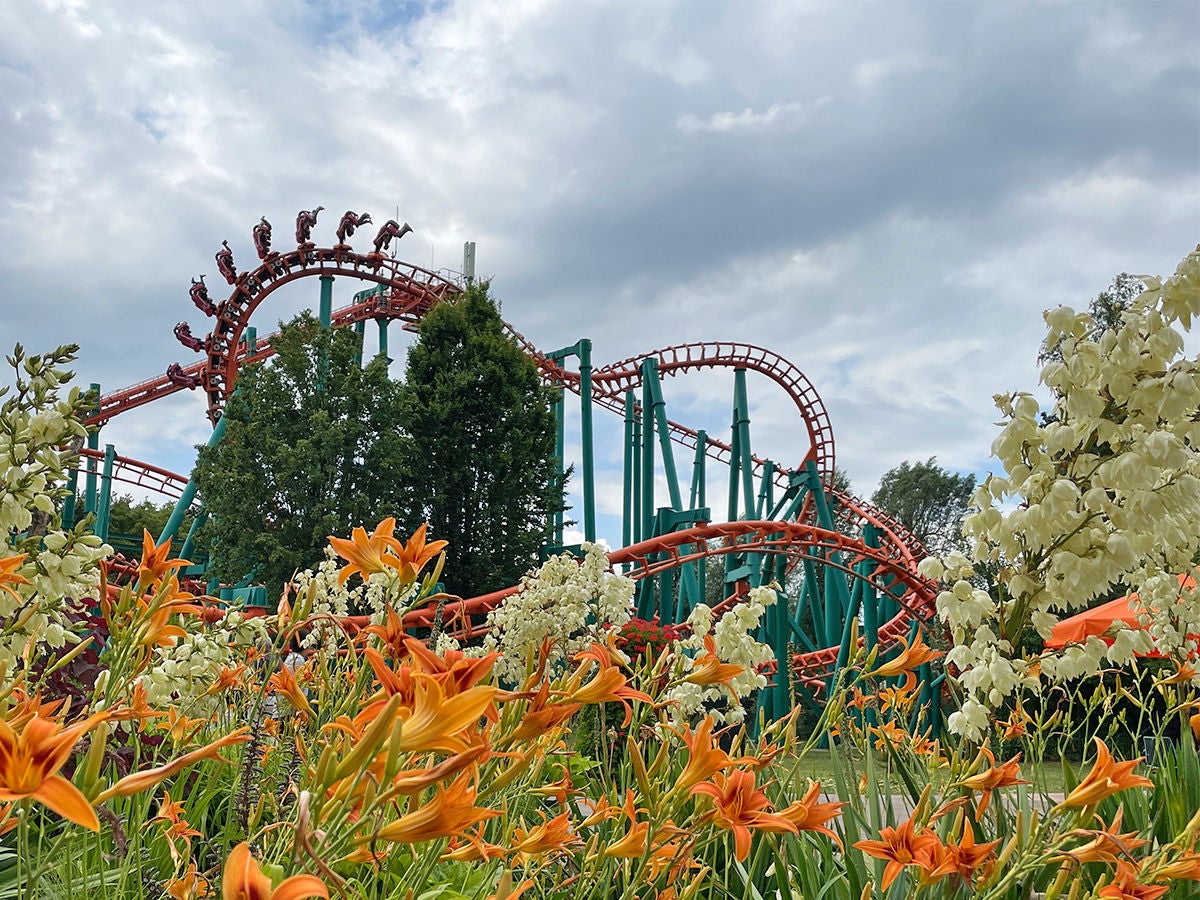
(479, 463)
(312, 448)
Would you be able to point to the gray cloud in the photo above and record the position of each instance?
(888, 195)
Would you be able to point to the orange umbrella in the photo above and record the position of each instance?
(1099, 619)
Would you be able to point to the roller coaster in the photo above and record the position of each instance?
(851, 570)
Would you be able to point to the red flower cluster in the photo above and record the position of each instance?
(645, 637)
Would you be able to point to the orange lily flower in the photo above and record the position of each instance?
(809, 815)
(993, 777)
(9, 576)
(709, 669)
(30, 760)
(542, 717)
(1125, 886)
(191, 885)
(137, 782)
(601, 811)
(171, 812)
(1107, 844)
(438, 722)
(180, 727)
(609, 686)
(367, 555)
(415, 553)
(244, 880)
(901, 847)
(472, 847)
(969, 856)
(900, 697)
(1014, 725)
(1106, 778)
(1184, 673)
(1185, 867)
(740, 806)
(227, 678)
(451, 811)
(390, 632)
(889, 734)
(910, 658)
(704, 758)
(154, 563)
(454, 671)
(554, 834)
(285, 684)
(633, 844)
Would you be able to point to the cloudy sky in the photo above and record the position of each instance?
(886, 194)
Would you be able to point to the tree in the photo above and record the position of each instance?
(480, 460)
(312, 448)
(1105, 311)
(929, 500)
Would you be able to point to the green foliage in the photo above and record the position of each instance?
(480, 465)
(929, 500)
(301, 459)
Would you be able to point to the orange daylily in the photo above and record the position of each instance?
(415, 553)
(154, 563)
(191, 885)
(1106, 778)
(244, 880)
(227, 678)
(1185, 867)
(137, 782)
(554, 834)
(740, 806)
(969, 856)
(391, 632)
(29, 764)
(449, 813)
(1125, 886)
(180, 727)
(542, 717)
(901, 846)
(1184, 673)
(914, 655)
(454, 670)
(171, 812)
(993, 777)
(366, 555)
(285, 684)
(609, 686)
(1014, 725)
(704, 758)
(633, 844)
(807, 814)
(1107, 845)
(437, 722)
(471, 847)
(709, 669)
(9, 576)
(900, 697)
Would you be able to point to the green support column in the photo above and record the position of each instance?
(649, 374)
(560, 409)
(664, 439)
(745, 464)
(189, 491)
(629, 498)
(250, 336)
(383, 337)
(326, 319)
(585, 427)
(68, 516)
(105, 501)
(197, 524)
(699, 499)
(93, 442)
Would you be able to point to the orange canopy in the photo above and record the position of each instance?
(1099, 619)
